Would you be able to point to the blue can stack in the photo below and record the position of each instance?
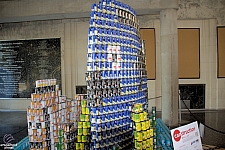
(23, 144)
(116, 73)
(164, 136)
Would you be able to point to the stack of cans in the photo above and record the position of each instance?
(83, 131)
(49, 113)
(42, 115)
(143, 133)
(66, 137)
(77, 107)
(116, 73)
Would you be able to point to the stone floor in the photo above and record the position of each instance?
(15, 123)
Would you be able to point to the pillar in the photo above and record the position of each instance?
(169, 61)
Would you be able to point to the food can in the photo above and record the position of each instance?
(84, 103)
(60, 139)
(141, 116)
(138, 135)
(143, 125)
(148, 133)
(86, 118)
(151, 141)
(85, 131)
(138, 126)
(79, 131)
(79, 138)
(144, 146)
(60, 132)
(87, 111)
(78, 146)
(88, 124)
(81, 145)
(85, 124)
(145, 135)
(83, 110)
(151, 132)
(136, 117)
(84, 138)
(82, 117)
(137, 144)
(80, 124)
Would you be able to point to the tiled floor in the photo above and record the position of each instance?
(15, 123)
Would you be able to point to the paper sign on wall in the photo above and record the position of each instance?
(187, 137)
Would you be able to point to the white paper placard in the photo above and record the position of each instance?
(186, 137)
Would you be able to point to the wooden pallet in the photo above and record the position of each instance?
(211, 147)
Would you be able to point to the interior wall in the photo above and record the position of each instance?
(73, 35)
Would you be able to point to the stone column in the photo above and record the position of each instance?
(169, 61)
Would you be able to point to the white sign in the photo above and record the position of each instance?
(186, 137)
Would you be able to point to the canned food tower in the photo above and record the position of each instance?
(143, 131)
(48, 114)
(116, 74)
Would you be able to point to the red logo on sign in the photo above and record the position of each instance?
(176, 135)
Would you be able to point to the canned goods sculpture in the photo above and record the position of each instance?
(51, 118)
(116, 74)
(143, 132)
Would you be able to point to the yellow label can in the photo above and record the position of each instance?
(138, 126)
(88, 124)
(87, 110)
(85, 131)
(84, 138)
(81, 145)
(83, 110)
(141, 116)
(77, 145)
(84, 103)
(86, 118)
(144, 144)
(139, 136)
(85, 124)
(148, 133)
(136, 118)
(138, 145)
(79, 131)
(143, 125)
(80, 124)
(78, 138)
(82, 117)
(147, 143)
(144, 134)
(151, 132)
(151, 141)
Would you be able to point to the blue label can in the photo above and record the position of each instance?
(115, 108)
(93, 135)
(116, 116)
(108, 133)
(102, 144)
(104, 136)
(112, 125)
(103, 126)
(111, 109)
(118, 99)
(112, 116)
(107, 142)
